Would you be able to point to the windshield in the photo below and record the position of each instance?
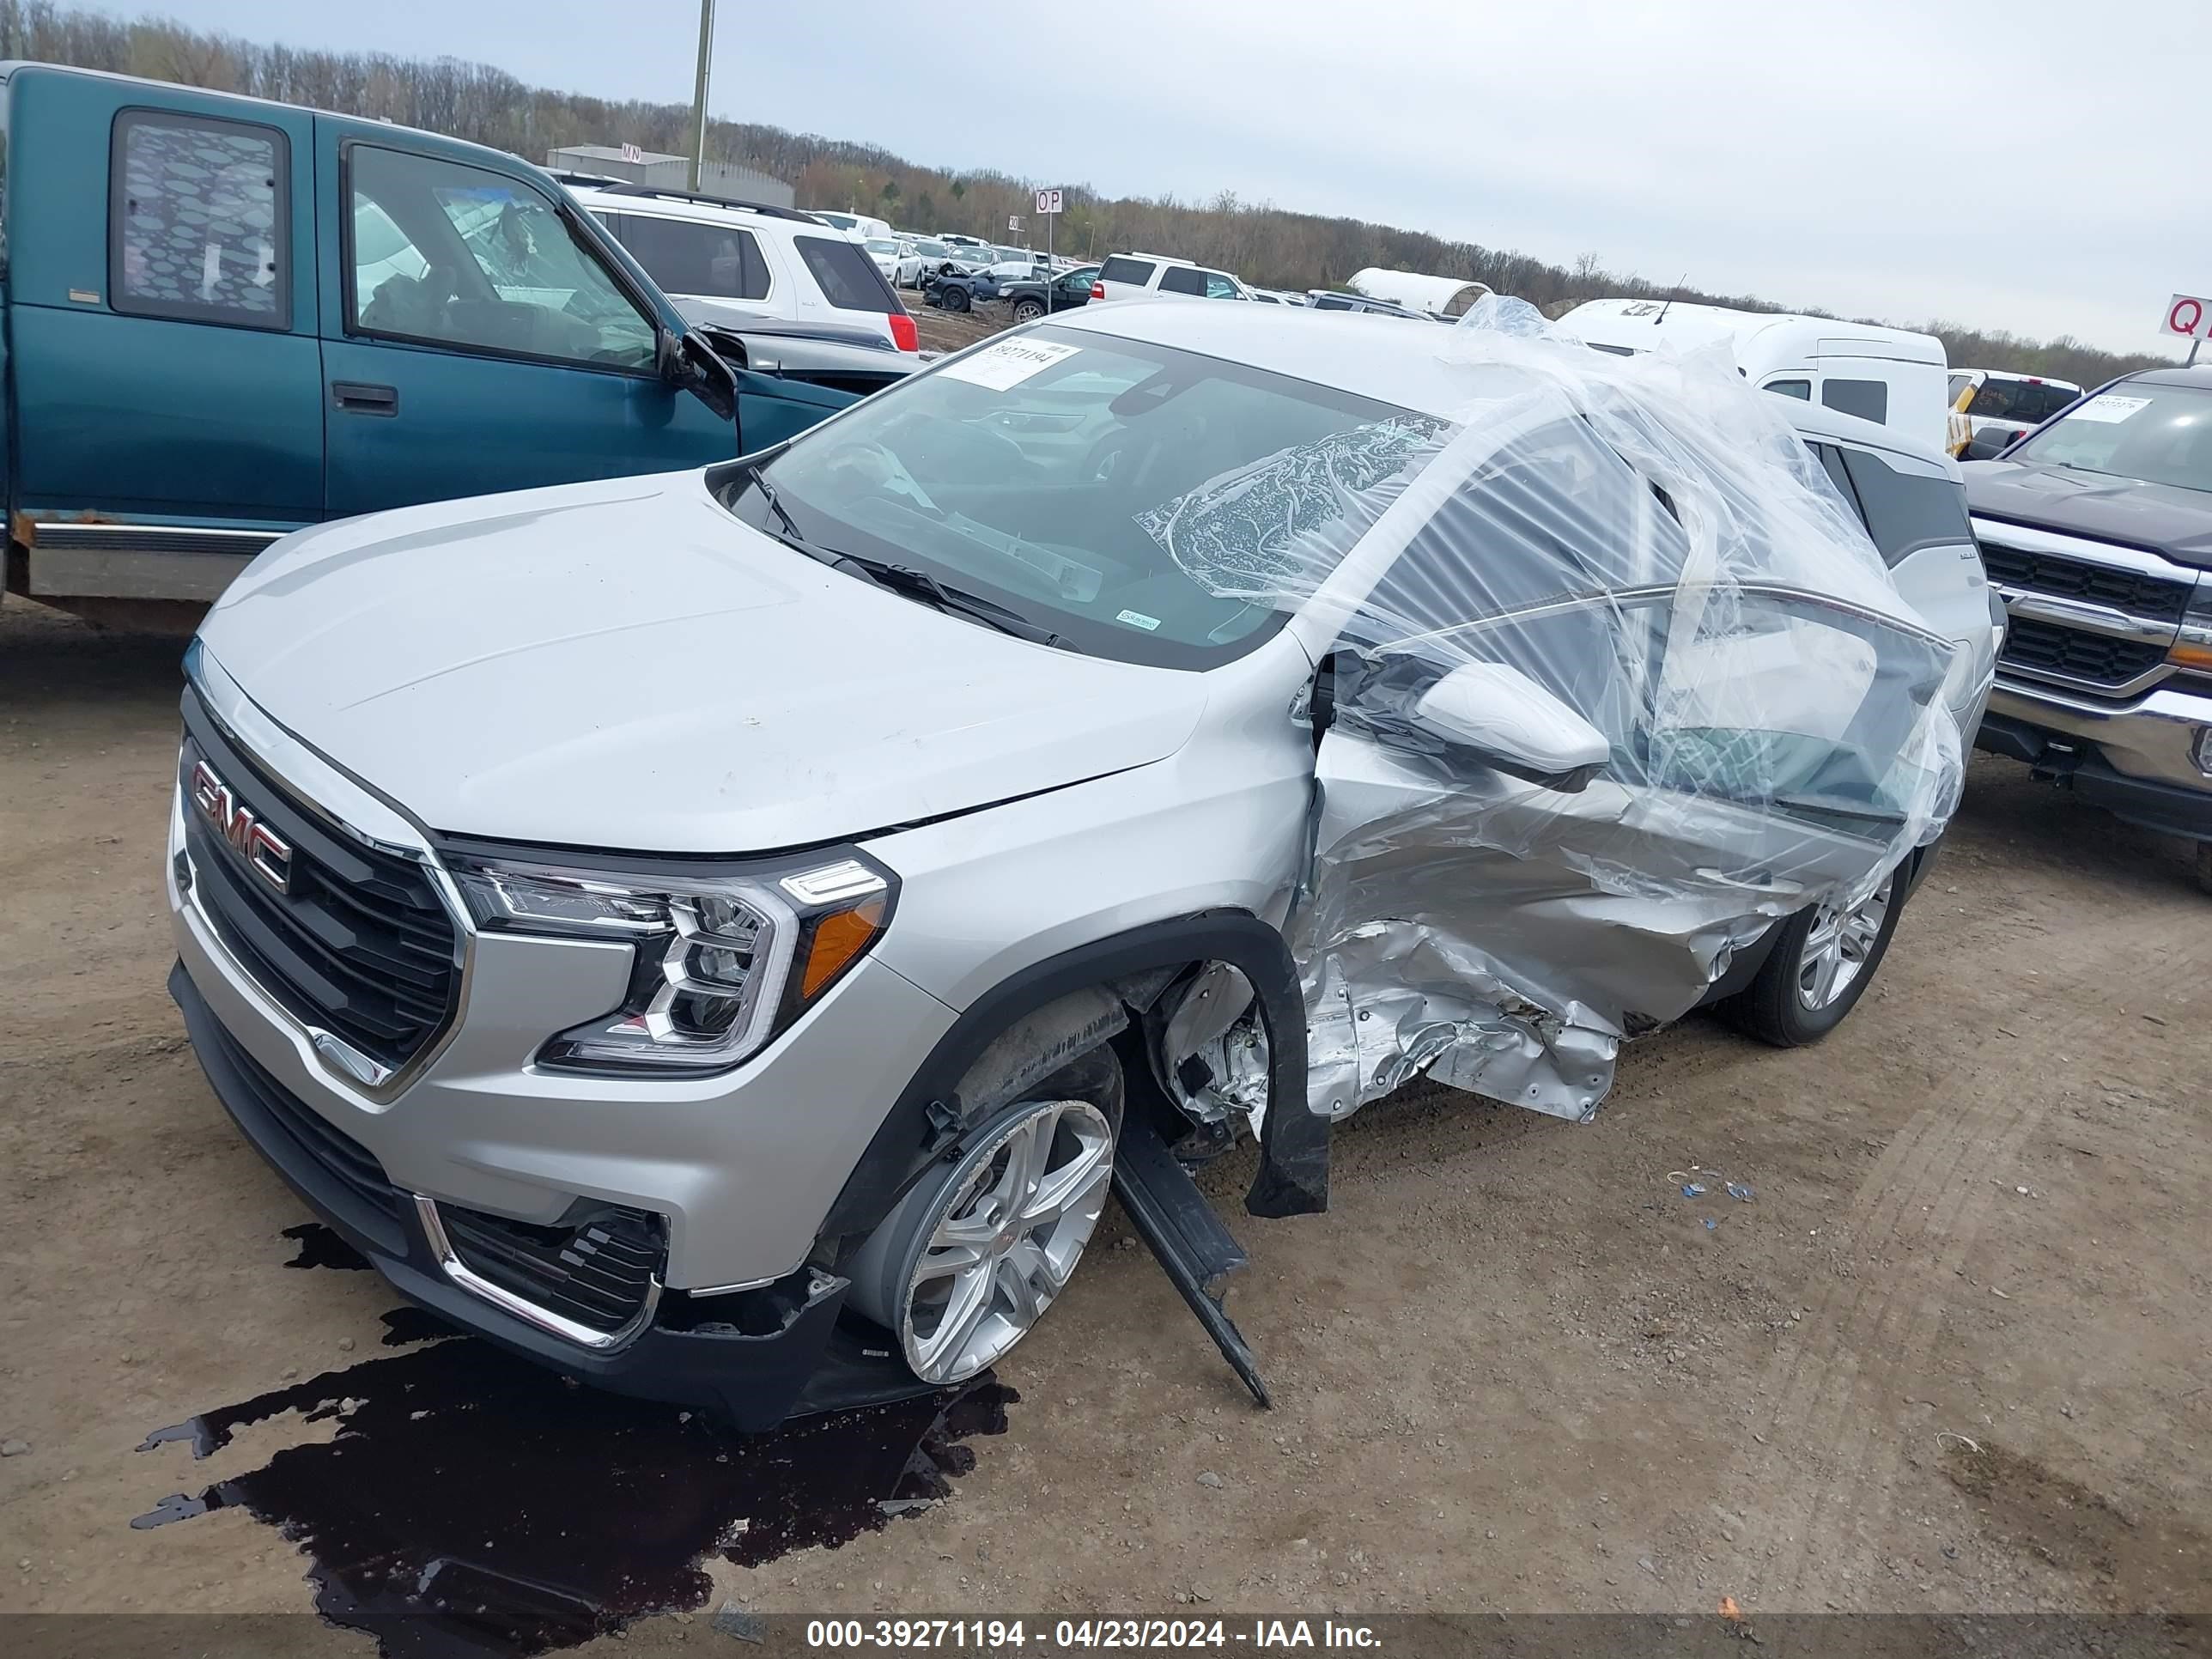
(877, 245)
(1047, 473)
(2160, 434)
(2031, 403)
(930, 250)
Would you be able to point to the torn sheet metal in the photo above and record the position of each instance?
(1693, 703)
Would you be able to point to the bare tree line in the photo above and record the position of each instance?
(1272, 246)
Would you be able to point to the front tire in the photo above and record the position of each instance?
(1027, 311)
(971, 1259)
(956, 298)
(1821, 965)
(2204, 866)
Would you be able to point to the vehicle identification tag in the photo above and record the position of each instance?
(2111, 409)
(1006, 365)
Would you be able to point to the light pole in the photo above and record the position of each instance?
(699, 90)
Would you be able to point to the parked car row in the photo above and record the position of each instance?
(1027, 296)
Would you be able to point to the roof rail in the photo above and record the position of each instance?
(706, 199)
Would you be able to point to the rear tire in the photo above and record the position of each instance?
(1821, 963)
(2204, 866)
(956, 298)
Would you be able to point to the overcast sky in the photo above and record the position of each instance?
(2034, 165)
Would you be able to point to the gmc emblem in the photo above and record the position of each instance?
(268, 854)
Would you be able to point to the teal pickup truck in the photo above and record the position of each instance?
(223, 318)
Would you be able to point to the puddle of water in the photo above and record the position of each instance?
(473, 1502)
(319, 1246)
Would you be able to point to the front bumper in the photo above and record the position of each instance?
(646, 1233)
(796, 1358)
(2137, 760)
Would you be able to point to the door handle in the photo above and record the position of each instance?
(362, 399)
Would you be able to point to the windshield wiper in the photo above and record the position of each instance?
(791, 531)
(920, 584)
(904, 578)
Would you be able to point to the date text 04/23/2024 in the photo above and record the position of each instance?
(1017, 1636)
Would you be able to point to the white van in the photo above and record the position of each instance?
(1890, 375)
(858, 227)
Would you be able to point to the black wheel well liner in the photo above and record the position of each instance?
(924, 1124)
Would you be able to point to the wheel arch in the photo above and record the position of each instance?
(930, 1121)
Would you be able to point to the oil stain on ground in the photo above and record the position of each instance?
(473, 1502)
(321, 1246)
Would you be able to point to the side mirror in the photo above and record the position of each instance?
(1515, 725)
(705, 376)
(1988, 444)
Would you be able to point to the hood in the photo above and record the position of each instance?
(623, 665)
(2174, 521)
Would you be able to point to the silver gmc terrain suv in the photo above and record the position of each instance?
(724, 934)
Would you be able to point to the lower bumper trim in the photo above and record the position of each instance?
(752, 1381)
(2075, 764)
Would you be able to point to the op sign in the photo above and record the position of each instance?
(1048, 201)
(2189, 316)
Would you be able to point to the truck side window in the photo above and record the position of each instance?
(1905, 511)
(197, 220)
(1801, 390)
(1867, 399)
(451, 255)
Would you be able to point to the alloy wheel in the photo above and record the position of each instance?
(1837, 948)
(1004, 1240)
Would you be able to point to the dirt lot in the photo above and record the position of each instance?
(1951, 1356)
(949, 330)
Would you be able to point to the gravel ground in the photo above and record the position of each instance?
(1951, 1357)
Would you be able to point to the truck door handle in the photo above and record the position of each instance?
(364, 399)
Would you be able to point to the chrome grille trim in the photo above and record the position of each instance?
(346, 805)
(2179, 592)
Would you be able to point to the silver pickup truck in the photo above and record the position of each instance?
(2096, 530)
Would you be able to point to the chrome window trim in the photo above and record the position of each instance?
(544, 1319)
(360, 814)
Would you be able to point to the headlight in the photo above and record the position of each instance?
(723, 963)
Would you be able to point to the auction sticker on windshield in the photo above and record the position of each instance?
(2111, 409)
(1007, 363)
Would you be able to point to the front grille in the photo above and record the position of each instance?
(2093, 659)
(597, 1273)
(2156, 599)
(360, 943)
(337, 1172)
